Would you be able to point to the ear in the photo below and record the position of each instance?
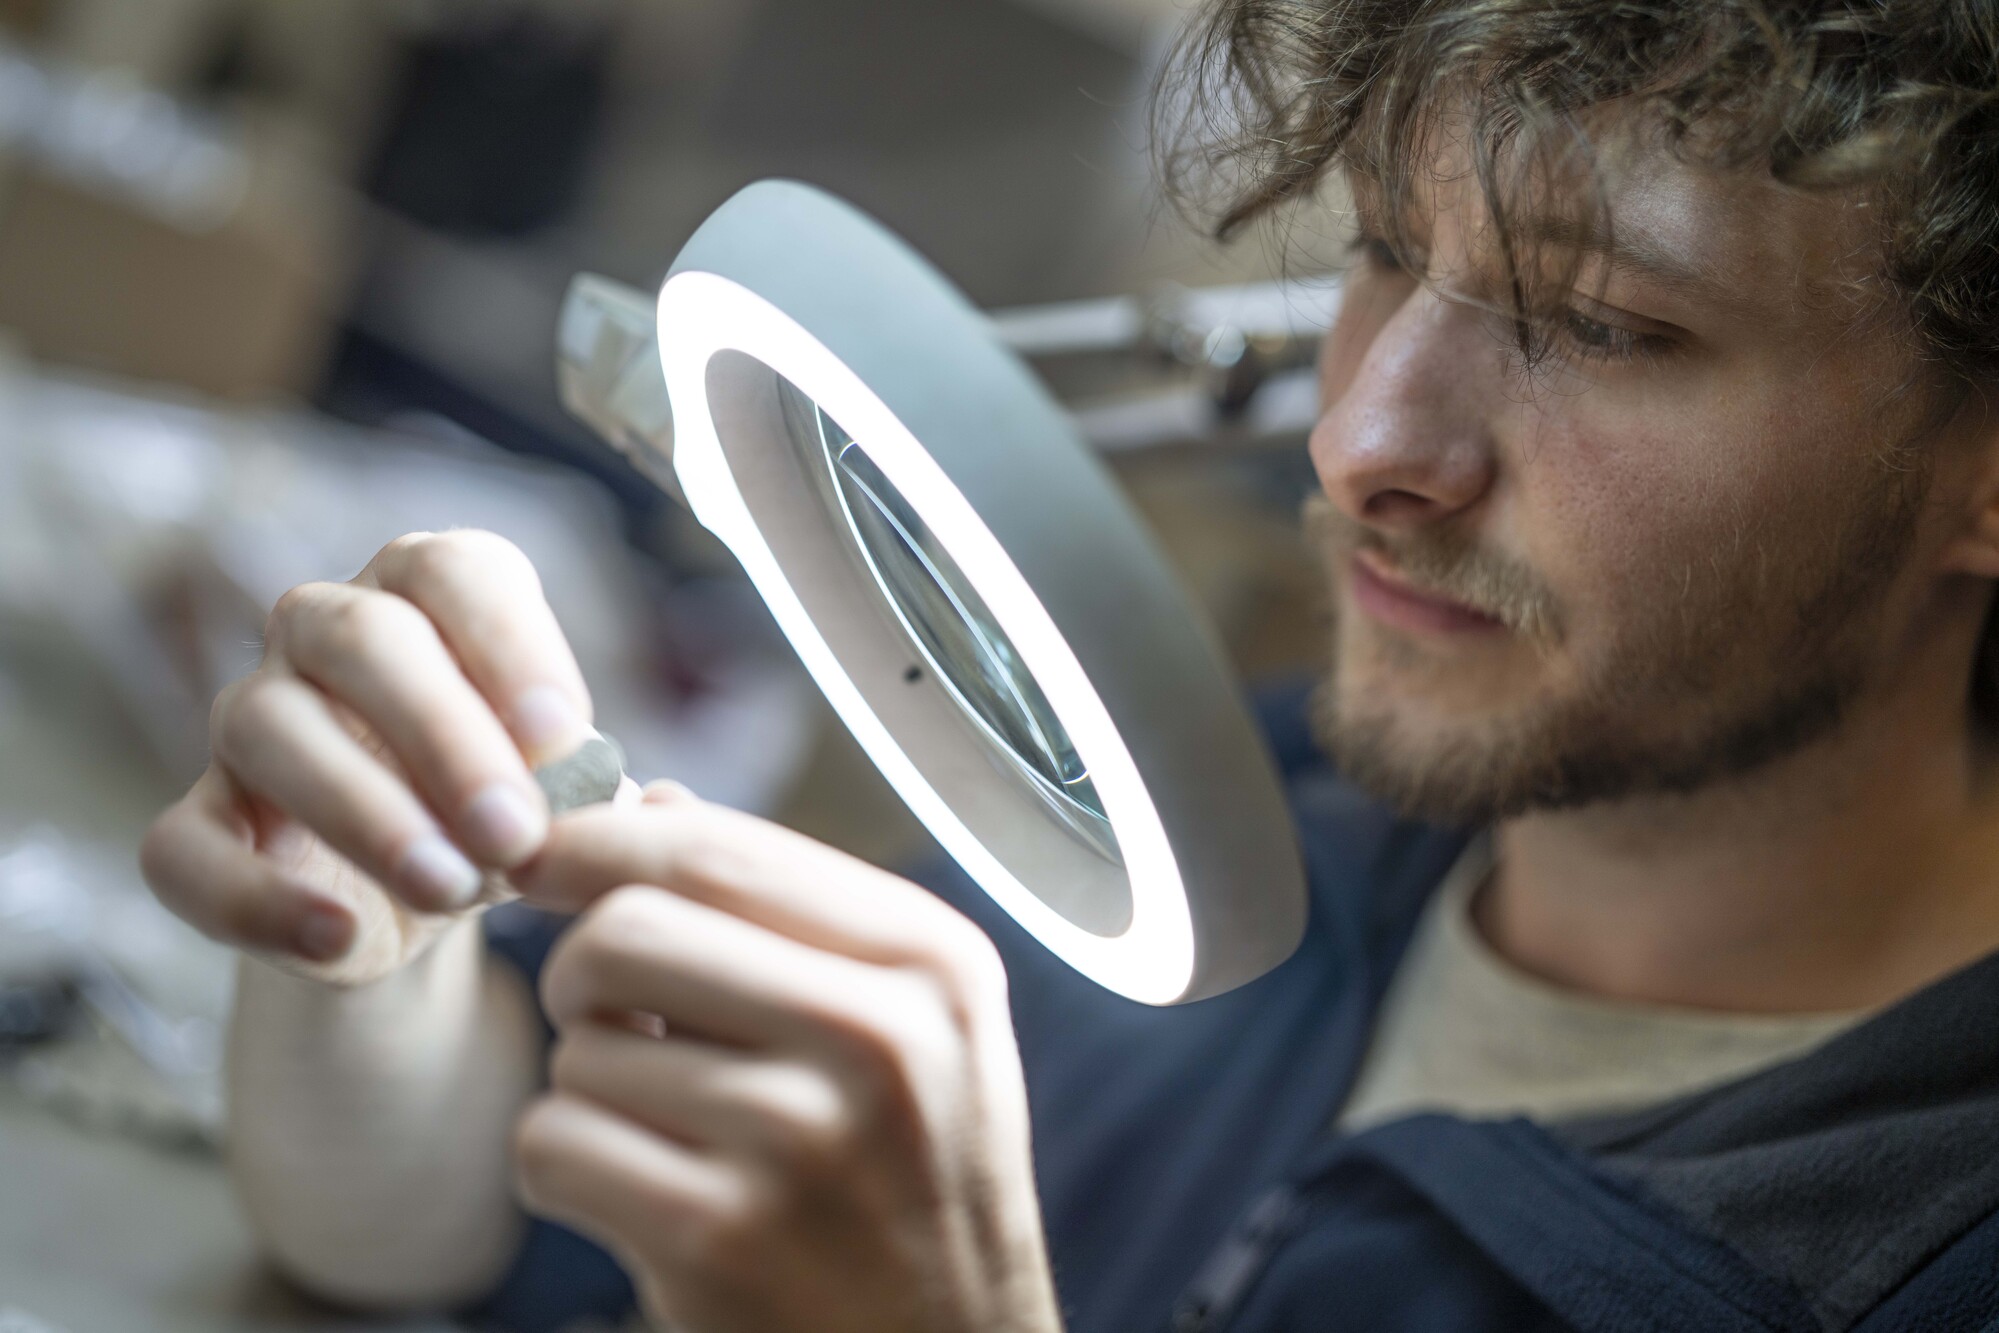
(1975, 548)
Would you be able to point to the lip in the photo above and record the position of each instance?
(1393, 602)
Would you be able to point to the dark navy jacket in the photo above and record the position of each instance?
(1189, 1184)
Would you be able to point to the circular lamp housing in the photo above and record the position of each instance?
(974, 596)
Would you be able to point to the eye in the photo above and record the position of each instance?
(1593, 340)
(1374, 253)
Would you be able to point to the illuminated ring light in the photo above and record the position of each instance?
(785, 285)
(701, 314)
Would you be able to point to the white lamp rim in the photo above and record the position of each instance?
(702, 314)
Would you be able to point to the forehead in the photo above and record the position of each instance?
(1735, 242)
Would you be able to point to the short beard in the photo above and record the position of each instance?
(1565, 761)
(1756, 682)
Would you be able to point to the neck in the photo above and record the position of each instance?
(1839, 878)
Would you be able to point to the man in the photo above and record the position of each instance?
(1661, 512)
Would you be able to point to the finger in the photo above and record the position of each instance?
(699, 1093)
(279, 738)
(591, 1169)
(761, 872)
(486, 600)
(708, 973)
(199, 860)
(382, 658)
(665, 791)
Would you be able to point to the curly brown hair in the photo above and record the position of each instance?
(1899, 98)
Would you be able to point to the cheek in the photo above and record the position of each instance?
(1633, 518)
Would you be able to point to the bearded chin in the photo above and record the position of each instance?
(1724, 675)
(1568, 756)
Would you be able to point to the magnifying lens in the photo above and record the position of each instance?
(967, 585)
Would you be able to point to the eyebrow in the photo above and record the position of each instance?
(1624, 249)
(1630, 250)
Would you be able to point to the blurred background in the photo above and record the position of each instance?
(278, 281)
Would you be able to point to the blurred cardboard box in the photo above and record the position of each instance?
(241, 305)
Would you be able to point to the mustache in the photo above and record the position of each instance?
(1445, 563)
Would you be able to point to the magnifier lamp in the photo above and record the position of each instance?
(968, 587)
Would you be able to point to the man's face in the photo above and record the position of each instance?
(1677, 551)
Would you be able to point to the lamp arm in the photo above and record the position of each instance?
(1249, 348)
(607, 370)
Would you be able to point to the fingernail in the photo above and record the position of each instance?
(437, 875)
(544, 718)
(324, 933)
(503, 822)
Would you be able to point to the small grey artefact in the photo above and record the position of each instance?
(589, 775)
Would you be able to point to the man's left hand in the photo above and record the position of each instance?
(785, 1089)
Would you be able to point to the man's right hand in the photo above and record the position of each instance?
(376, 762)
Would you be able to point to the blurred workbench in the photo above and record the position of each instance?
(105, 1235)
(102, 1232)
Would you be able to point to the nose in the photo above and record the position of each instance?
(1405, 442)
